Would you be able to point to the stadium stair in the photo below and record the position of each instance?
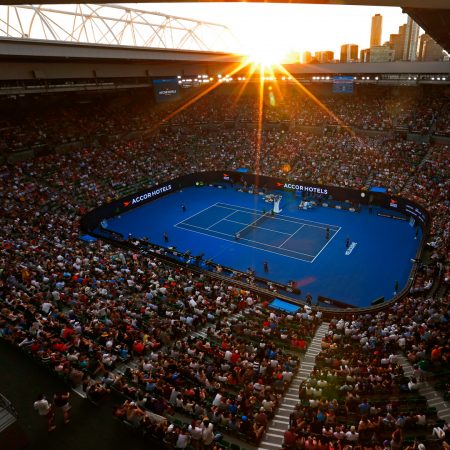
(6, 419)
(273, 438)
(436, 404)
(409, 182)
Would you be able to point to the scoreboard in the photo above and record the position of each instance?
(343, 85)
(166, 89)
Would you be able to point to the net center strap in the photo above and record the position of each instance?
(253, 225)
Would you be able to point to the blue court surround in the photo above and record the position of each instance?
(293, 243)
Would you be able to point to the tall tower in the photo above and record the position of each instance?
(411, 40)
(375, 31)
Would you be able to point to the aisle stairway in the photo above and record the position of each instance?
(273, 438)
(7, 414)
(6, 419)
(409, 182)
(434, 398)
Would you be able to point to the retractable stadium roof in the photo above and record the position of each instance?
(432, 15)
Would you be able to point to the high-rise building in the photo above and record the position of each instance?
(292, 57)
(375, 31)
(306, 57)
(411, 41)
(325, 56)
(429, 49)
(397, 42)
(364, 55)
(349, 53)
(381, 53)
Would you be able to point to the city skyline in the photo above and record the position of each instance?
(276, 29)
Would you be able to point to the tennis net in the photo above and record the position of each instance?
(253, 225)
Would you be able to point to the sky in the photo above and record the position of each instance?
(290, 27)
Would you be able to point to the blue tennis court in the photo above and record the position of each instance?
(293, 243)
(284, 235)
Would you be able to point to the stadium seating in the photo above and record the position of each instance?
(181, 348)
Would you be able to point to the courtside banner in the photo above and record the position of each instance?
(233, 179)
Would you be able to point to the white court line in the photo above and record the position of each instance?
(284, 218)
(290, 237)
(246, 245)
(258, 227)
(220, 205)
(329, 240)
(196, 214)
(249, 240)
(215, 223)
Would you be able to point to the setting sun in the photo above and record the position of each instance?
(266, 56)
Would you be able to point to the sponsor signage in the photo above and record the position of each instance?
(350, 248)
(304, 188)
(148, 195)
(415, 212)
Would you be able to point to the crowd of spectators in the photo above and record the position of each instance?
(357, 393)
(47, 122)
(200, 347)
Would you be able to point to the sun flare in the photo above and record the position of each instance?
(266, 56)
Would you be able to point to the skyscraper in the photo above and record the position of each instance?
(411, 40)
(324, 57)
(381, 53)
(375, 31)
(349, 53)
(429, 49)
(397, 42)
(306, 57)
(364, 55)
